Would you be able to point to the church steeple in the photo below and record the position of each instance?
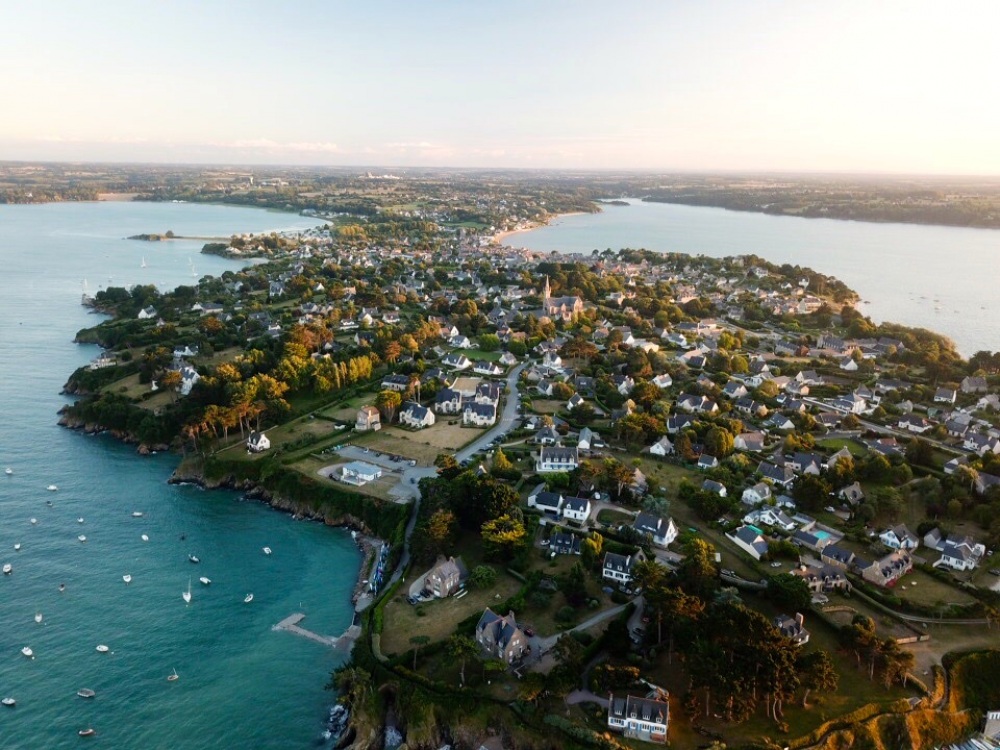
(548, 291)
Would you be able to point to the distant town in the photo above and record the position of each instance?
(627, 497)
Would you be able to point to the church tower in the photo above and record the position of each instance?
(548, 291)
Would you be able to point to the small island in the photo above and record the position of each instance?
(168, 235)
(707, 492)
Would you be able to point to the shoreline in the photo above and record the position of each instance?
(499, 237)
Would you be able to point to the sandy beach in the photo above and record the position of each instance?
(499, 237)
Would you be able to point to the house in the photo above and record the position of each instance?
(913, 423)
(663, 381)
(479, 415)
(662, 530)
(460, 342)
(574, 401)
(899, 537)
(550, 502)
(500, 637)
(368, 419)
(837, 557)
(444, 578)
(961, 553)
(564, 543)
(359, 473)
(618, 568)
(576, 509)
(759, 493)
(557, 459)
(257, 442)
(507, 359)
(488, 368)
(848, 364)
(852, 493)
(416, 416)
(662, 447)
(189, 376)
(716, 488)
(456, 361)
(780, 475)
(981, 444)
(887, 571)
(952, 466)
(973, 384)
(944, 396)
(749, 441)
(398, 383)
(841, 454)
(822, 578)
(792, 627)
(806, 463)
(644, 719)
(146, 313)
(750, 540)
(448, 401)
(547, 436)
(706, 462)
(587, 439)
(779, 422)
(734, 389)
(770, 517)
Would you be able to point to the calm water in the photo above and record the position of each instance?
(241, 684)
(940, 278)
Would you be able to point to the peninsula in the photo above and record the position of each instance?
(630, 497)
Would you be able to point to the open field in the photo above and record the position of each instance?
(546, 406)
(919, 587)
(314, 468)
(398, 442)
(347, 410)
(835, 444)
(441, 434)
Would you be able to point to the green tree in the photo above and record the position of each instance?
(503, 536)
(592, 549)
(483, 577)
(418, 641)
(388, 402)
(816, 672)
(462, 648)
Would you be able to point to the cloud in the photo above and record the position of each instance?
(266, 144)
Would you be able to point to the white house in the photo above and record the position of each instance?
(416, 416)
(576, 509)
(550, 502)
(759, 493)
(618, 568)
(448, 401)
(257, 442)
(662, 447)
(899, 537)
(557, 458)
(146, 313)
(662, 530)
(663, 381)
(367, 419)
(574, 401)
(456, 361)
(961, 553)
(645, 719)
(479, 415)
(750, 541)
(770, 517)
(359, 473)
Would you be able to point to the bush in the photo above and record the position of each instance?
(565, 615)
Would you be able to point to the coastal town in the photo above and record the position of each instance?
(627, 497)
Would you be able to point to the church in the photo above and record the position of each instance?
(560, 307)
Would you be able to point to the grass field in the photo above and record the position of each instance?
(437, 619)
(413, 445)
(919, 587)
(312, 465)
(835, 444)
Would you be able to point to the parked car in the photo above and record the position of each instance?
(776, 565)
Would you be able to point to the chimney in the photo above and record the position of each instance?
(799, 619)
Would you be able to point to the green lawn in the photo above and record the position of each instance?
(835, 444)
(919, 587)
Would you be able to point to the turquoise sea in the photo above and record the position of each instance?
(939, 278)
(241, 684)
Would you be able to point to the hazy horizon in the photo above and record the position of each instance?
(898, 88)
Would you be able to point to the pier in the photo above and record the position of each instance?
(344, 642)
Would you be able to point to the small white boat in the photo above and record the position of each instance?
(187, 594)
(8, 471)
(38, 617)
(267, 550)
(82, 538)
(9, 702)
(34, 521)
(28, 652)
(205, 581)
(127, 578)
(79, 520)
(52, 488)
(143, 264)
(102, 649)
(248, 598)
(86, 693)
(194, 559)
(173, 677)
(137, 514)
(62, 587)
(144, 538)
(8, 569)
(17, 546)
(88, 732)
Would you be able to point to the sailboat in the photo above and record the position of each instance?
(38, 617)
(8, 471)
(173, 677)
(187, 594)
(143, 262)
(127, 578)
(144, 538)
(248, 598)
(28, 652)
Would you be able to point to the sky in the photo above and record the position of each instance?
(714, 85)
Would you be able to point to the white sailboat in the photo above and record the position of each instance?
(173, 677)
(17, 546)
(205, 581)
(143, 265)
(101, 648)
(187, 594)
(82, 538)
(8, 569)
(267, 550)
(144, 538)
(248, 598)
(8, 471)
(127, 578)
(52, 488)
(38, 617)
(28, 652)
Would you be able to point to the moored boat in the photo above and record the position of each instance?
(86, 693)
(205, 581)
(144, 538)
(173, 677)
(248, 598)
(38, 617)
(28, 652)
(101, 648)
(52, 488)
(9, 702)
(267, 550)
(82, 538)
(186, 595)
(8, 569)
(194, 559)
(88, 732)
(127, 578)
(8, 471)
